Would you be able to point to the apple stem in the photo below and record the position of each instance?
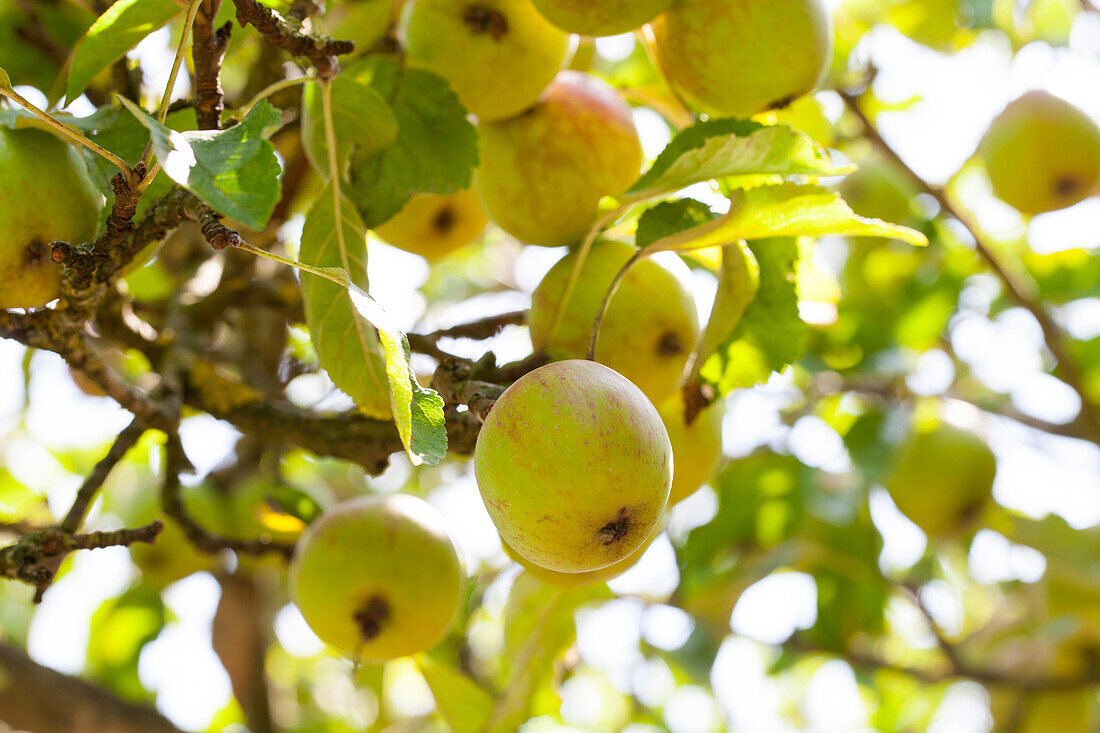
(611, 290)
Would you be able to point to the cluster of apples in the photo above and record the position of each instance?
(554, 142)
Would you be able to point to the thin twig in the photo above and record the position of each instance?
(123, 443)
(208, 49)
(1022, 292)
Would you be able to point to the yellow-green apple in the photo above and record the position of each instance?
(377, 577)
(741, 57)
(498, 55)
(600, 17)
(1042, 153)
(574, 466)
(542, 174)
(650, 327)
(45, 195)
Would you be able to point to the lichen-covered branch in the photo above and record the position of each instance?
(278, 32)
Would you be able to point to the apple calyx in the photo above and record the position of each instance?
(481, 19)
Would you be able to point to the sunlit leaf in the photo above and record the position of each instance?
(115, 32)
(235, 171)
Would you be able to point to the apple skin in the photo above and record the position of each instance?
(574, 466)
(388, 557)
(740, 57)
(434, 225)
(696, 448)
(498, 55)
(600, 17)
(878, 190)
(45, 195)
(542, 174)
(650, 327)
(578, 580)
(363, 21)
(1042, 154)
(942, 478)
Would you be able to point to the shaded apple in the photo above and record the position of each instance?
(650, 327)
(434, 225)
(45, 195)
(600, 17)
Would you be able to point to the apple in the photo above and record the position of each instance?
(542, 174)
(577, 580)
(600, 17)
(942, 478)
(434, 225)
(498, 55)
(45, 195)
(740, 57)
(650, 327)
(574, 466)
(696, 448)
(377, 577)
(1042, 154)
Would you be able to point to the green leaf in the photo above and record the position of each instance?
(361, 119)
(732, 147)
(347, 344)
(234, 171)
(671, 217)
(436, 146)
(119, 29)
(363, 353)
(771, 333)
(738, 283)
(16, 500)
(120, 629)
(784, 210)
(464, 705)
(5, 81)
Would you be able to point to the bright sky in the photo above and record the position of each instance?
(961, 93)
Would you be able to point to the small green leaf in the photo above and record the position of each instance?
(732, 147)
(436, 146)
(121, 27)
(364, 354)
(361, 119)
(738, 283)
(671, 217)
(464, 705)
(5, 80)
(235, 171)
(771, 334)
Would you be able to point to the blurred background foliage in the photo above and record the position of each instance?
(789, 593)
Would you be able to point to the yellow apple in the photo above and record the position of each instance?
(1042, 154)
(696, 448)
(377, 577)
(434, 225)
(741, 57)
(498, 55)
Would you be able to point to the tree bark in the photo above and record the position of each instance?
(41, 700)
